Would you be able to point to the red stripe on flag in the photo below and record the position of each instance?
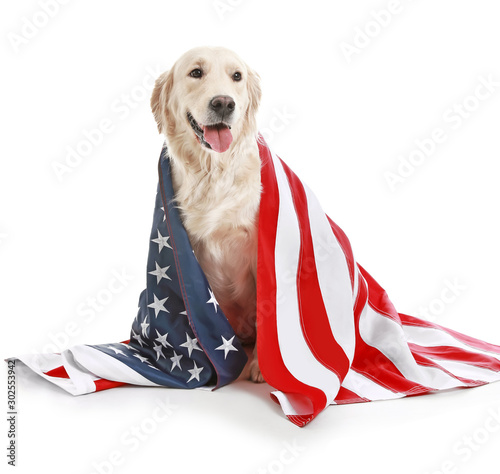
(59, 372)
(468, 340)
(346, 396)
(300, 420)
(271, 361)
(426, 362)
(378, 298)
(103, 384)
(314, 318)
(372, 363)
(345, 245)
(457, 354)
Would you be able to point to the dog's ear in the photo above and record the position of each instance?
(254, 92)
(159, 99)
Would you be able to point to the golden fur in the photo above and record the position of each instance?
(218, 193)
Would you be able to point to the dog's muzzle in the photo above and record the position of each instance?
(216, 136)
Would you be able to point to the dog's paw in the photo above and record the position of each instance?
(255, 373)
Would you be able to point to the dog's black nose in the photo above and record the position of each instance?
(223, 105)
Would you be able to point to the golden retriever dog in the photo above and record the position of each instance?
(206, 106)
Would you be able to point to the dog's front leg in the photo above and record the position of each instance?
(251, 371)
(255, 373)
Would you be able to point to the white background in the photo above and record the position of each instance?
(347, 120)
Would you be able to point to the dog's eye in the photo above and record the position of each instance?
(196, 73)
(237, 76)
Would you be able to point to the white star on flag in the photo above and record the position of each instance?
(176, 361)
(191, 344)
(195, 372)
(145, 326)
(226, 346)
(160, 273)
(159, 353)
(162, 242)
(117, 351)
(157, 305)
(162, 339)
(137, 337)
(163, 209)
(212, 299)
(142, 359)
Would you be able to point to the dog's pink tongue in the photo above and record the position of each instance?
(219, 137)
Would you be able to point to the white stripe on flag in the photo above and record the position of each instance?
(388, 337)
(467, 371)
(434, 337)
(296, 354)
(107, 367)
(286, 406)
(333, 276)
(84, 381)
(355, 288)
(43, 363)
(366, 388)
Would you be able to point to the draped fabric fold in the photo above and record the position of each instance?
(327, 332)
(180, 337)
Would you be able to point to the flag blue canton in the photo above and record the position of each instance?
(180, 337)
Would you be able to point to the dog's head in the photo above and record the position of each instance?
(208, 99)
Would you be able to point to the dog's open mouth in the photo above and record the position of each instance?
(216, 137)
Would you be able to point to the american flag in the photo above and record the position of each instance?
(327, 332)
(180, 338)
